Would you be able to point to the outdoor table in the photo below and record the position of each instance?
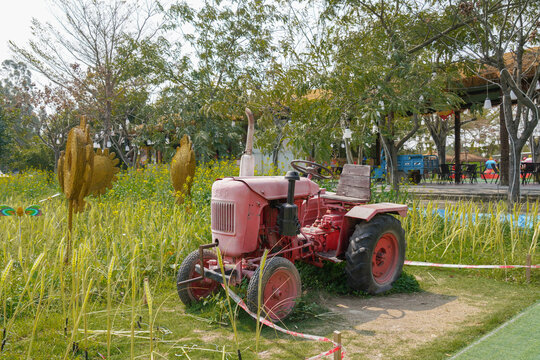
(463, 168)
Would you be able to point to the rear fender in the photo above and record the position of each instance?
(365, 212)
(368, 211)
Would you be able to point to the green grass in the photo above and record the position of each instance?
(330, 278)
(139, 225)
(519, 338)
(501, 300)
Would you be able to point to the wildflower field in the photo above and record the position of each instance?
(117, 297)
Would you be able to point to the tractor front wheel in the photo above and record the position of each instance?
(376, 254)
(279, 287)
(195, 291)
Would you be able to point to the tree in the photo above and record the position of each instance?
(96, 52)
(439, 127)
(4, 137)
(382, 70)
(16, 91)
(217, 60)
(56, 115)
(18, 118)
(502, 35)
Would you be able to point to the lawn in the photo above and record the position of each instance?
(117, 297)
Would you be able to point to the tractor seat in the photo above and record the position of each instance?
(333, 196)
(353, 186)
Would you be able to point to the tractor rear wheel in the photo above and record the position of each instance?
(376, 254)
(195, 291)
(280, 286)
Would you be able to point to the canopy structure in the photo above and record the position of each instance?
(486, 81)
(485, 84)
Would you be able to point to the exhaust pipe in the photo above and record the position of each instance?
(288, 213)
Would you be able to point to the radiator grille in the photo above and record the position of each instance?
(223, 216)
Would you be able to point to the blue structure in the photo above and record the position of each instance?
(413, 167)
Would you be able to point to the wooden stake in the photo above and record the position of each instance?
(337, 340)
(528, 269)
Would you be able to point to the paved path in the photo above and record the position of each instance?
(476, 191)
(517, 339)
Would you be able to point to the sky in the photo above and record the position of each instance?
(15, 21)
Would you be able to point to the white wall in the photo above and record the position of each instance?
(263, 162)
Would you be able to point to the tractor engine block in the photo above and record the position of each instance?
(325, 232)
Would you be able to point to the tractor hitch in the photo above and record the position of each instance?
(206, 273)
(211, 274)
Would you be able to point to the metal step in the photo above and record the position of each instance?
(329, 255)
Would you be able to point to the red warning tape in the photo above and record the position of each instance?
(266, 322)
(460, 266)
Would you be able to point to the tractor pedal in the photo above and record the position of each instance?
(329, 255)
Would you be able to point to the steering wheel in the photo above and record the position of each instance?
(312, 168)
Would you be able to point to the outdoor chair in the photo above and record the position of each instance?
(537, 172)
(470, 172)
(527, 172)
(445, 172)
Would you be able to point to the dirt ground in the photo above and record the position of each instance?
(381, 326)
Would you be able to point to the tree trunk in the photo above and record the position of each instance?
(56, 157)
(393, 169)
(348, 152)
(516, 145)
(391, 147)
(457, 146)
(438, 129)
(514, 186)
(390, 153)
(275, 151)
(533, 148)
(360, 155)
(504, 161)
(378, 150)
(536, 145)
(441, 152)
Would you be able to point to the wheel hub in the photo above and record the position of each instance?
(280, 294)
(385, 258)
(380, 257)
(204, 287)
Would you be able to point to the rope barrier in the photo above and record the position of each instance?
(268, 323)
(49, 198)
(461, 266)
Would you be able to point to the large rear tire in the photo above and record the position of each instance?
(376, 254)
(280, 287)
(195, 291)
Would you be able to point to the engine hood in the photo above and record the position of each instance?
(275, 187)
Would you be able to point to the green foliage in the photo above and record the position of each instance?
(233, 43)
(4, 137)
(151, 183)
(406, 283)
(332, 279)
(307, 308)
(30, 185)
(36, 156)
(382, 192)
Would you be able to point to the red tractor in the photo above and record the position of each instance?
(296, 221)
